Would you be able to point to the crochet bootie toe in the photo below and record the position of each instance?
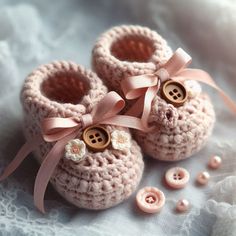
(179, 132)
(102, 165)
(140, 54)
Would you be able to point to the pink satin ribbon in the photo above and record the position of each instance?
(61, 130)
(145, 87)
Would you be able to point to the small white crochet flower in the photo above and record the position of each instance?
(120, 140)
(75, 150)
(193, 88)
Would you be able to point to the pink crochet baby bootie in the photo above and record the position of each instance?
(101, 165)
(178, 130)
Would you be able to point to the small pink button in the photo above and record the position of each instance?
(177, 177)
(150, 199)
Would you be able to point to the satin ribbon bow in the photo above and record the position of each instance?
(61, 130)
(145, 87)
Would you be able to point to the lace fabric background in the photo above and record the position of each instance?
(35, 32)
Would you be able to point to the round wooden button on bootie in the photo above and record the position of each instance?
(97, 138)
(174, 93)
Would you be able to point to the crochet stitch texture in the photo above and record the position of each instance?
(134, 50)
(102, 179)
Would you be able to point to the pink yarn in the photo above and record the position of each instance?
(180, 132)
(103, 179)
(128, 50)
(133, 50)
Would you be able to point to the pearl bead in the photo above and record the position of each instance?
(193, 88)
(215, 162)
(203, 177)
(182, 205)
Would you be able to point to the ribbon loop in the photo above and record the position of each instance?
(163, 74)
(86, 120)
(178, 61)
(109, 106)
(135, 86)
(54, 129)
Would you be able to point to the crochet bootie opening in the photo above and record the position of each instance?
(64, 87)
(133, 48)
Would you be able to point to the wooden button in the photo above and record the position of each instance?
(174, 92)
(96, 138)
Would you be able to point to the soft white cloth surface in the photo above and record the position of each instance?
(35, 32)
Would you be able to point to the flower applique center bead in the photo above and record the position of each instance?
(75, 149)
(121, 139)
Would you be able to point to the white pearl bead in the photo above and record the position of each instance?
(193, 88)
(203, 177)
(215, 162)
(182, 205)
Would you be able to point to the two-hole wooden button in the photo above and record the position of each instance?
(174, 92)
(97, 138)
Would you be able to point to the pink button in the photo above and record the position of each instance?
(150, 199)
(177, 177)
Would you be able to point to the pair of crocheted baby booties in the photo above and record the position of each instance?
(103, 164)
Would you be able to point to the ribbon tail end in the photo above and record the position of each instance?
(40, 207)
(24, 151)
(3, 176)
